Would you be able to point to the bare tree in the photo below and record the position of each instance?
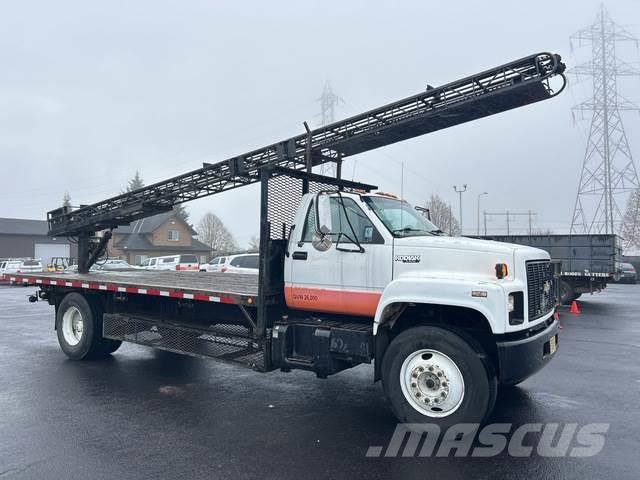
(212, 231)
(631, 226)
(442, 215)
(254, 243)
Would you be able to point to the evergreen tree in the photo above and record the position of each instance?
(135, 183)
(181, 211)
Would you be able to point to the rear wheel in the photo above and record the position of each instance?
(110, 346)
(433, 375)
(567, 294)
(79, 329)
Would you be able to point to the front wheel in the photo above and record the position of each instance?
(433, 375)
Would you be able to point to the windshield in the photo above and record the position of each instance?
(400, 218)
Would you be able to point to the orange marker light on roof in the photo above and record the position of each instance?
(501, 270)
(388, 195)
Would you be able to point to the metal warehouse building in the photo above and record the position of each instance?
(28, 238)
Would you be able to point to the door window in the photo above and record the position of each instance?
(363, 228)
(250, 261)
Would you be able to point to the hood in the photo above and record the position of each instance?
(459, 243)
(452, 257)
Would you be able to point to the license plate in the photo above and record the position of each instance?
(553, 345)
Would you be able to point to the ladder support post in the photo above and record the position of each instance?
(308, 149)
(83, 252)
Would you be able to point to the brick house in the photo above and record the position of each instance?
(157, 236)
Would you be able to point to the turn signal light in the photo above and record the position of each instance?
(501, 270)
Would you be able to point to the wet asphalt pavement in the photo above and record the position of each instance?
(146, 414)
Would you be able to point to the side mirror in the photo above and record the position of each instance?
(323, 214)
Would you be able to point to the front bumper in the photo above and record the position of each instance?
(520, 358)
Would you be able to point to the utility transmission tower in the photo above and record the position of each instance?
(608, 171)
(328, 103)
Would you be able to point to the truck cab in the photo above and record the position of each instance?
(374, 257)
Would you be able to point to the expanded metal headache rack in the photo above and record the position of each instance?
(509, 86)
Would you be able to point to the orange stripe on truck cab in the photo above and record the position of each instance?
(348, 302)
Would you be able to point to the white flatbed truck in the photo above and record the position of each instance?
(347, 276)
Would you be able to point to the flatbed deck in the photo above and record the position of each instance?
(233, 288)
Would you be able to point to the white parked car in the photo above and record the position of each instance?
(101, 266)
(21, 266)
(113, 264)
(214, 265)
(245, 263)
(184, 262)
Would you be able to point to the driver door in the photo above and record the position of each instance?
(341, 278)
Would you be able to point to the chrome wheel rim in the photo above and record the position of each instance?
(72, 326)
(432, 383)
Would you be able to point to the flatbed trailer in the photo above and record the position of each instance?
(240, 289)
(586, 262)
(193, 313)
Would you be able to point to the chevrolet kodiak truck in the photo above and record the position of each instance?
(347, 275)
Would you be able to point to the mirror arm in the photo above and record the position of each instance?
(346, 216)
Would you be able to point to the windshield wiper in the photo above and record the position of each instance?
(437, 232)
(408, 230)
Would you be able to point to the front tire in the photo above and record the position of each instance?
(433, 375)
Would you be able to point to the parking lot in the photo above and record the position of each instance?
(148, 414)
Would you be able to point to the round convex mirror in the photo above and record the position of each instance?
(322, 243)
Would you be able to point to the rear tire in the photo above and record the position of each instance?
(79, 328)
(433, 375)
(109, 346)
(567, 294)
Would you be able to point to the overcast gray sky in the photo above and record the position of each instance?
(91, 91)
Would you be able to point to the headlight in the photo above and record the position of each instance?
(511, 303)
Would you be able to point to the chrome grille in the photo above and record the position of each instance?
(540, 291)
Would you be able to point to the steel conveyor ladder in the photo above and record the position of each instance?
(506, 87)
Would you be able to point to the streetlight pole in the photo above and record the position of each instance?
(460, 192)
(478, 218)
